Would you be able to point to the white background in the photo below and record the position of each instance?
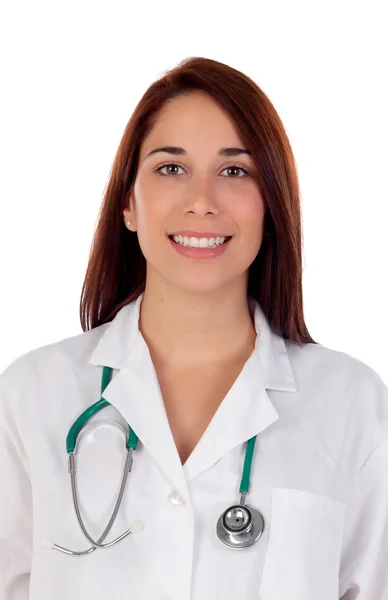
(72, 73)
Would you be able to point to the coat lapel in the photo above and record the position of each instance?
(134, 390)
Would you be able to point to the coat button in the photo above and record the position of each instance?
(175, 498)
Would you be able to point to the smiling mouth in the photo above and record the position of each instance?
(204, 247)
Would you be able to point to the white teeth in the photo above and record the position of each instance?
(194, 242)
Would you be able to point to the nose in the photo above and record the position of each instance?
(201, 199)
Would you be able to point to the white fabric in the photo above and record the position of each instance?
(319, 476)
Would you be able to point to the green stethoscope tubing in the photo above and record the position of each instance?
(75, 429)
(132, 439)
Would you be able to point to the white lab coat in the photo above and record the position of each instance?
(319, 476)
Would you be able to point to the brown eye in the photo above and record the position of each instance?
(236, 168)
(173, 165)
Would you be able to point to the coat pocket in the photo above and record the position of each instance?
(304, 545)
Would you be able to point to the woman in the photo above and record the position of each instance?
(192, 302)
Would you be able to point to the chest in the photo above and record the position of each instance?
(191, 399)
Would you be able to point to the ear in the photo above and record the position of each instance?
(128, 212)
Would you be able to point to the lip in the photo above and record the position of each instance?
(198, 234)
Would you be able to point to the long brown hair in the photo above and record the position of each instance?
(116, 270)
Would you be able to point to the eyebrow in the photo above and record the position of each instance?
(221, 151)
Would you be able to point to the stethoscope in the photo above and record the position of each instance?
(239, 526)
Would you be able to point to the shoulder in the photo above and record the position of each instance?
(69, 355)
(340, 388)
(321, 363)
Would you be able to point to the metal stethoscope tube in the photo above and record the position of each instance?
(71, 443)
(97, 543)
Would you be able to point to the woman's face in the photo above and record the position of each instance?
(198, 192)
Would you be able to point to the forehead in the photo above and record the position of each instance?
(192, 121)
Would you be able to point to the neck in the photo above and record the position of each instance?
(188, 330)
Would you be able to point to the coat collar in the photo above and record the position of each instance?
(134, 390)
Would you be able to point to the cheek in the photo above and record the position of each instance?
(249, 215)
(153, 208)
(153, 213)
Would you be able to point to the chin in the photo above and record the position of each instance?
(199, 284)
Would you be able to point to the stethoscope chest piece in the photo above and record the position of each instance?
(240, 526)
